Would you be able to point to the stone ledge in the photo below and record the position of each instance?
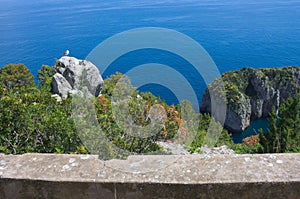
(186, 176)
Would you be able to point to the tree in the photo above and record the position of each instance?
(271, 140)
(284, 131)
(45, 75)
(15, 76)
(289, 124)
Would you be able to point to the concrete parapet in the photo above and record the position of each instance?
(186, 176)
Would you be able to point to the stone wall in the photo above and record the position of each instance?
(186, 176)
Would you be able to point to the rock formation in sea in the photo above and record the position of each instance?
(74, 75)
(252, 93)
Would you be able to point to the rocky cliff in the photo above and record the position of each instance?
(74, 75)
(251, 93)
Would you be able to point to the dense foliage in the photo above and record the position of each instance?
(284, 133)
(15, 76)
(129, 134)
(45, 75)
(201, 137)
(33, 121)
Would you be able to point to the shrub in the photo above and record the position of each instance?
(16, 76)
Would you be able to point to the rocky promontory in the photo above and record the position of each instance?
(251, 93)
(74, 75)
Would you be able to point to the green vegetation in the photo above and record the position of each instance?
(139, 108)
(284, 133)
(243, 85)
(237, 84)
(15, 76)
(201, 136)
(33, 121)
(45, 75)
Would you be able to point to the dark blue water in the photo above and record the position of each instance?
(236, 33)
(253, 129)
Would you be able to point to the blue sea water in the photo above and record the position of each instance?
(236, 33)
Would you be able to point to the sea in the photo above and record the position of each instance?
(235, 33)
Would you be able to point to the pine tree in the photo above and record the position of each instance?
(290, 124)
(284, 131)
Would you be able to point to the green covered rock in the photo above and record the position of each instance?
(251, 93)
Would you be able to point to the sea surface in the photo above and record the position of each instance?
(236, 33)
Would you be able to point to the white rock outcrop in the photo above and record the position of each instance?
(76, 76)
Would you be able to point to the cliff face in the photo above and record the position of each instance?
(74, 75)
(251, 93)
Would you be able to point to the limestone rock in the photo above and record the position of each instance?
(74, 75)
(173, 148)
(252, 93)
(57, 97)
(216, 150)
(60, 85)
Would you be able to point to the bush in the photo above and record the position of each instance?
(32, 121)
(16, 76)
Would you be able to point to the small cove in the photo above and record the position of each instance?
(253, 129)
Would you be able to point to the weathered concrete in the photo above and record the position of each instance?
(187, 176)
